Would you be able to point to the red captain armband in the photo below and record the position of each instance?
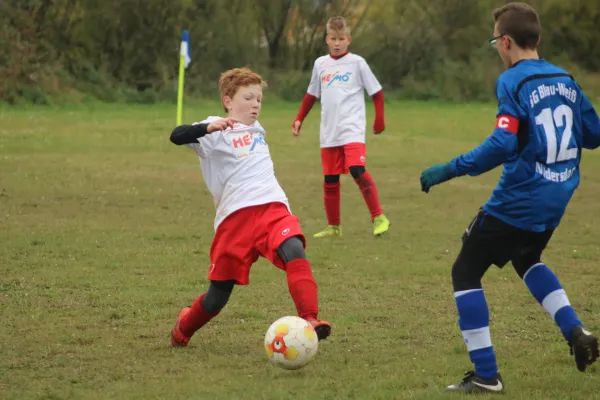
(508, 122)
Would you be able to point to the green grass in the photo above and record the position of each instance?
(105, 228)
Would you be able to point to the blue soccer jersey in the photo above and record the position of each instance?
(543, 123)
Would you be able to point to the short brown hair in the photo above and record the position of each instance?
(519, 21)
(231, 81)
(338, 24)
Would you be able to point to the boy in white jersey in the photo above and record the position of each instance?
(339, 79)
(253, 217)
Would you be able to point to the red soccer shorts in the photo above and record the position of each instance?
(247, 234)
(338, 160)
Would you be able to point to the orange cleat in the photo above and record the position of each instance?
(322, 328)
(178, 339)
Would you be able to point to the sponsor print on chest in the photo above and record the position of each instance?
(245, 143)
(334, 77)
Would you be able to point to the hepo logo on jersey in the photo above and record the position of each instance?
(336, 79)
(246, 143)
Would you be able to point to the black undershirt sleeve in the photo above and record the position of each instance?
(186, 134)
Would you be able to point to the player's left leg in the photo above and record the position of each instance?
(355, 158)
(301, 284)
(331, 199)
(283, 244)
(545, 286)
(332, 162)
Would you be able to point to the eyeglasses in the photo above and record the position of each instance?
(494, 41)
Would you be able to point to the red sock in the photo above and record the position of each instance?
(369, 192)
(332, 202)
(303, 288)
(196, 318)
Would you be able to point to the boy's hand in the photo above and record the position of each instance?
(434, 176)
(296, 128)
(220, 125)
(378, 127)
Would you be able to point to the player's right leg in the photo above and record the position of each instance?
(205, 308)
(548, 291)
(331, 198)
(231, 254)
(332, 163)
(473, 261)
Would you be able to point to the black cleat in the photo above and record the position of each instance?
(471, 383)
(584, 346)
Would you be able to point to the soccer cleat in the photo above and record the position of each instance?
(471, 383)
(380, 225)
(322, 328)
(178, 339)
(584, 346)
(331, 230)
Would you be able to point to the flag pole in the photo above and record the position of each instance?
(184, 61)
(180, 90)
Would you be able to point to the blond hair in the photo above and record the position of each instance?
(338, 24)
(234, 79)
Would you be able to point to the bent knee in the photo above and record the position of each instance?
(357, 171)
(217, 296)
(291, 249)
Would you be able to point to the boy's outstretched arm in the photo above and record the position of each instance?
(497, 149)
(494, 151)
(188, 134)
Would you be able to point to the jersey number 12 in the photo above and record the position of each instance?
(561, 117)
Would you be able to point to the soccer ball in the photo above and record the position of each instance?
(291, 343)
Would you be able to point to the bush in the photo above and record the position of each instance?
(290, 85)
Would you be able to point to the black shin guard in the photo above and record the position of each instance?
(217, 296)
(291, 249)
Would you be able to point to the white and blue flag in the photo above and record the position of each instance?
(185, 49)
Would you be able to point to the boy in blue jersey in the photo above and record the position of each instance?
(543, 123)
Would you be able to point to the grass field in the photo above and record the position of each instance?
(105, 228)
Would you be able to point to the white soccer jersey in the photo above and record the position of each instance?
(237, 168)
(340, 84)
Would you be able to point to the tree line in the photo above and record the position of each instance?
(128, 50)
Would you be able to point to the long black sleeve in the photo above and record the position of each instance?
(186, 134)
